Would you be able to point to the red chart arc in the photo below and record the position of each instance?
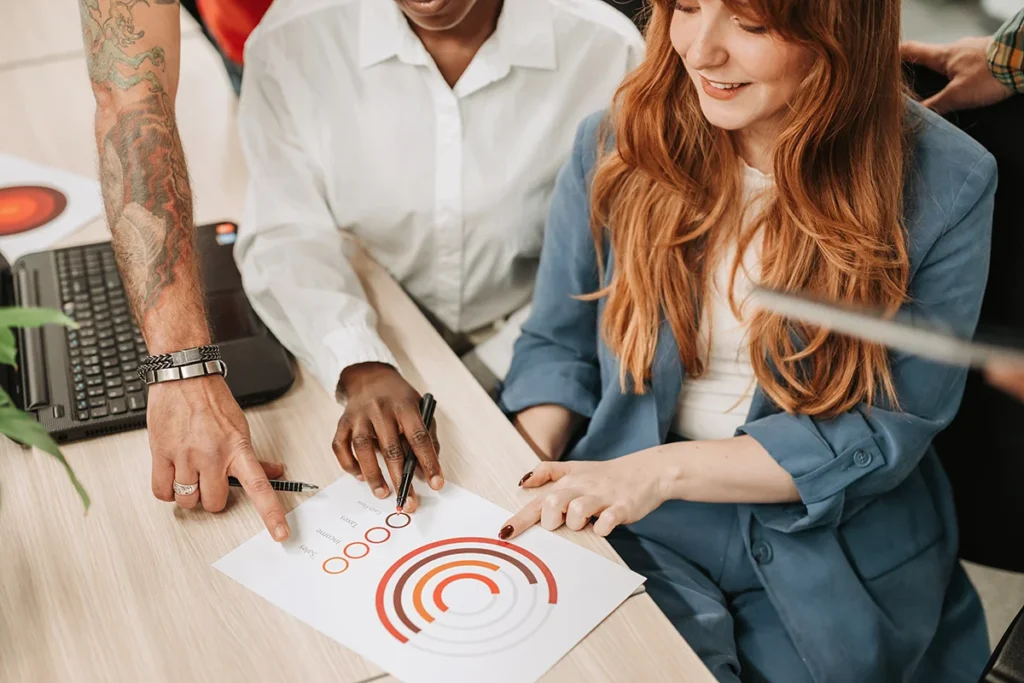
(517, 587)
(27, 207)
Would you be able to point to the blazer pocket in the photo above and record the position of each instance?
(892, 529)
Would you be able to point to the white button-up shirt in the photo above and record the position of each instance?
(348, 127)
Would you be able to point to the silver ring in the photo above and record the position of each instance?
(185, 489)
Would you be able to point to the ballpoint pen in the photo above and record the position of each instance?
(280, 485)
(427, 404)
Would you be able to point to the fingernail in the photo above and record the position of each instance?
(360, 477)
(505, 532)
(525, 477)
(436, 482)
(380, 492)
(281, 532)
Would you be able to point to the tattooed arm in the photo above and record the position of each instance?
(197, 431)
(132, 48)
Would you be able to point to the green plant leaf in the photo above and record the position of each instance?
(18, 316)
(23, 428)
(14, 423)
(8, 347)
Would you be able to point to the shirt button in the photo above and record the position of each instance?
(861, 458)
(762, 552)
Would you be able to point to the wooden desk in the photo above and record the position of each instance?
(126, 593)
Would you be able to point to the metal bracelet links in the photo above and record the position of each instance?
(196, 362)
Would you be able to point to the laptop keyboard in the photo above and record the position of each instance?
(104, 353)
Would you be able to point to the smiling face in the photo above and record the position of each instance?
(745, 77)
(436, 15)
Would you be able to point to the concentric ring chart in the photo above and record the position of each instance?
(40, 205)
(468, 596)
(433, 596)
(27, 207)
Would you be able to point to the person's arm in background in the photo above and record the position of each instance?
(981, 70)
(197, 431)
(295, 271)
(1005, 54)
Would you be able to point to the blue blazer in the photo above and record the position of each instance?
(857, 570)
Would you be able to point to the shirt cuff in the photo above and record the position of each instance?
(347, 347)
(1005, 55)
(821, 471)
(557, 384)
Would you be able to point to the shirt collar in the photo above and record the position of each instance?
(384, 33)
(525, 35)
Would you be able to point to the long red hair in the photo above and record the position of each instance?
(667, 189)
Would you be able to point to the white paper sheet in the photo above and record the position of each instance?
(441, 599)
(65, 201)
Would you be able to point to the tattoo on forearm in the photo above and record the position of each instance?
(106, 40)
(142, 165)
(149, 204)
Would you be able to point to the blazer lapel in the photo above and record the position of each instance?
(666, 379)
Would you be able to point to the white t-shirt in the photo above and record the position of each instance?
(714, 405)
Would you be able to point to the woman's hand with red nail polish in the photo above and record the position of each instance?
(615, 492)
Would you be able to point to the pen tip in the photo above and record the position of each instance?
(398, 508)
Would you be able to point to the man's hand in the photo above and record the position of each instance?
(965, 64)
(383, 411)
(197, 433)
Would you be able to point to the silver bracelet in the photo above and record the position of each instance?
(210, 367)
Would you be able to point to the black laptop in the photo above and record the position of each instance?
(84, 383)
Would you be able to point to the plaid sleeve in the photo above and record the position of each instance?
(1006, 54)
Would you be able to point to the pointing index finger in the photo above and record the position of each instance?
(247, 469)
(523, 520)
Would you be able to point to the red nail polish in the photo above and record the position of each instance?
(505, 532)
(525, 477)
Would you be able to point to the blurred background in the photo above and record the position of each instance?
(945, 20)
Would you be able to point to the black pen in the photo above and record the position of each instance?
(279, 485)
(427, 404)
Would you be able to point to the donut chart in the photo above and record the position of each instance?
(27, 207)
(467, 596)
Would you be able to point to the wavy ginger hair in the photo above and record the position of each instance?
(666, 193)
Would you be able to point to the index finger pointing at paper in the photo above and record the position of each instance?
(250, 474)
(523, 520)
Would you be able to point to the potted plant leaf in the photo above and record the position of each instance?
(15, 423)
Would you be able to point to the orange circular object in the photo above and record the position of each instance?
(27, 207)
(340, 571)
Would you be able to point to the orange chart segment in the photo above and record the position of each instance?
(417, 592)
(439, 590)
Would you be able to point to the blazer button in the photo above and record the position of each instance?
(762, 552)
(861, 458)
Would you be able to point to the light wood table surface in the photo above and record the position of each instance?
(126, 592)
